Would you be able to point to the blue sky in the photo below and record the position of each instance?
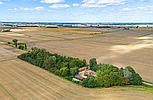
(76, 10)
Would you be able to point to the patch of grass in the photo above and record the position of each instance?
(147, 89)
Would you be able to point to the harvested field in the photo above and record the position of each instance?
(119, 47)
(22, 81)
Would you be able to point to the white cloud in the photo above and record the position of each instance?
(92, 5)
(59, 6)
(38, 8)
(101, 3)
(35, 8)
(75, 5)
(139, 8)
(27, 9)
(127, 9)
(52, 1)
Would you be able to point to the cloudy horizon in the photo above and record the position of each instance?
(76, 10)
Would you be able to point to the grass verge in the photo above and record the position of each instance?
(142, 88)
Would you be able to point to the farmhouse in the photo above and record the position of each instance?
(84, 73)
(89, 72)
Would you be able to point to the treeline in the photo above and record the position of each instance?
(63, 66)
(19, 45)
(106, 75)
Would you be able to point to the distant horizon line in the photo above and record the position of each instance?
(76, 22)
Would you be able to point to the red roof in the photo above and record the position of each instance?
(90, 72)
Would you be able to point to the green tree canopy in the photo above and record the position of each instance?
(15, 41)
(92, 63)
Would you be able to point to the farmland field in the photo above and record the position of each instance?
(22, 81)
(118, 47)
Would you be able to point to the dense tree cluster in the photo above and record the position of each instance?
(109, 75)
(63, 66)
(106, 75)
(14, 43)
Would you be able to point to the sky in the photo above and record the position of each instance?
(76, 10)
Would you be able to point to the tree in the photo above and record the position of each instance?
(15, 41)
(127, 73)
(130, 69)
(50, 62)
(21, 47)
(74, 70)
(135, 79)
(84, 62)
(63, 71)
(108, 75)
(92, 63)
(68, 70)
(89, 82)
(25, 46)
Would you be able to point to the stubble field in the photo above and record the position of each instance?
(22, 81)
